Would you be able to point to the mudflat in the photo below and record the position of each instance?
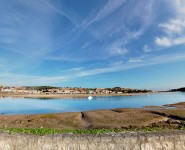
(50, 95)
(122, 118)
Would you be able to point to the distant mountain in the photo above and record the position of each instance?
(178, 90)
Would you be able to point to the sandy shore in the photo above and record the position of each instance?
(43, 95)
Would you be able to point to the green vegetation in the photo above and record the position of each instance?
(43, 131)
(99, 90)
(127, 90)
(45, 87)
(178, 90)
(50, 116)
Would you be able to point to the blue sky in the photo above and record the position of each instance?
(94, 43)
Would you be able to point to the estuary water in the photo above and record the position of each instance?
(39, 106)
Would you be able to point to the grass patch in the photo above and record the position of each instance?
(43, 131)
(49, 116)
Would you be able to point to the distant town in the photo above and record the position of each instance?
(67, 90)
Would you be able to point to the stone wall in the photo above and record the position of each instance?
(120, 141)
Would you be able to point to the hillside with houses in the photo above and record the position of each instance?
(67, 90)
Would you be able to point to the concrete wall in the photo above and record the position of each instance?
(121, 141)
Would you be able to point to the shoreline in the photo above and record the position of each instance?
(118, 118)
(58, 96)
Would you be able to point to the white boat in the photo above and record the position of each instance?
(90, 97)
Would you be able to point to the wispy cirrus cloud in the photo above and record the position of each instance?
(46, 7)
(110, 7)
(77, 73)
(115, 30)
(33, 24)
(119, 51)
(109, 30)
(51, 42)
(120, 22)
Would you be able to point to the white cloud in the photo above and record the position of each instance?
(119, 51)
(179, 6)
(117, 48)
(174, 28)
(146, 49)
(179, 41)
(164, 41)
(167, 42)
(115, 31)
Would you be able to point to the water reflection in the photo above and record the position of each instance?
(37, 106)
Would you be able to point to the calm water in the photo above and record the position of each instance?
(38, 106)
